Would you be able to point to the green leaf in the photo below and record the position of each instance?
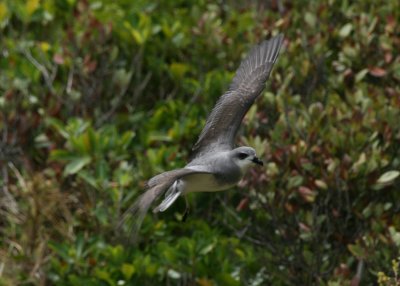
(62, 155)
(294, 182)
(32, 6)
(88, 178)
(227, 279)
(74, 280)
(361, 74)
(388, 177)
(105, 276)
(174, 274)
(3, 13)
(121, 78)
(207, 249)
(102, 170)
(75, 165)
(395, 235)
(356, 250)
(137, 36)
(79, 144)
(178, 70)
(346, 30)
(91, 140)
(128, 270)
(58, 126)
(310, 19)
(321, 184)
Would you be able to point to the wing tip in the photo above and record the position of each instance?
(271, 48)
(265, 52)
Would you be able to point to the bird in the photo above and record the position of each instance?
(215, 163)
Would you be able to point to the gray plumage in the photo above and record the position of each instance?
(215, 165)
(225, 119)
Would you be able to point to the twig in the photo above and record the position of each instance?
(40, 250)
(11, 204)
(70, 80)
(21, 180)
(41, 68)
(141, 87)
(357, 278)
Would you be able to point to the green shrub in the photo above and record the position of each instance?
(98, 96)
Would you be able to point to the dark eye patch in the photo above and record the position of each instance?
(242, 156)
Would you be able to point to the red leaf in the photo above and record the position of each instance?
(304, 227)
(289, 207)
(58, 59)
(243, 204)
(377, 71)
(388, 57)
(307, 194)
(91, 66)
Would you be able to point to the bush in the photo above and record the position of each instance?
(98, 96)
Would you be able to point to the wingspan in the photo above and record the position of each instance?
(224, 121)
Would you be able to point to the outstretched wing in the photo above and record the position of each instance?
(224, 120)
(132, 219)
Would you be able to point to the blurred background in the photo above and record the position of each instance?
(97, 96)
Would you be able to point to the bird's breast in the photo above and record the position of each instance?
(205, 183)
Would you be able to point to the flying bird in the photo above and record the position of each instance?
(215, 164)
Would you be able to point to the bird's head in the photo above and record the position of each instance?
(245, 157)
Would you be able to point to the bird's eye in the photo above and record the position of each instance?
(242, 156)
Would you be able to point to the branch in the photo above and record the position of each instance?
(46, 75)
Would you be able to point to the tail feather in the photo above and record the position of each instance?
(134, 216)
(170, 197)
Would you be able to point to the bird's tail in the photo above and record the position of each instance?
(170, 197)
(133, 217)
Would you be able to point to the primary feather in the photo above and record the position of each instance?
(224, 120)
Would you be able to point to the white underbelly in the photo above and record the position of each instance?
(203, 183)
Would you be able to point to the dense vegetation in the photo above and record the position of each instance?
(97, 96)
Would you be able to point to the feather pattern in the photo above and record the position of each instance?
(224, 120)
(156, 186)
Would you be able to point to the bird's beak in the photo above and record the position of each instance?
(257, 161)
